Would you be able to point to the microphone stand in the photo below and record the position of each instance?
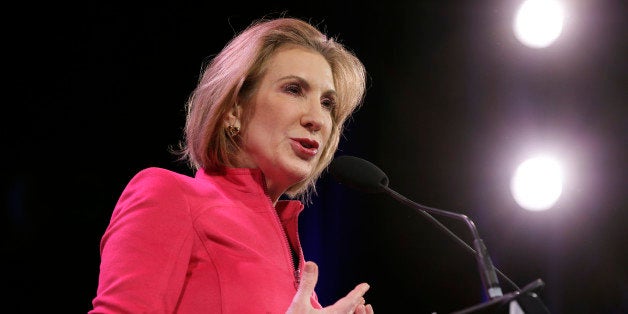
(365, 176)
(499, 302)
(485, 265)
(488, 272)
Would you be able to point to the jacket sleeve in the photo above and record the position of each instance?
(146, 247)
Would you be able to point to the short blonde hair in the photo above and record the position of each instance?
(232, 76)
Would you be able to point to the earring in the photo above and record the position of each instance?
(233, 130)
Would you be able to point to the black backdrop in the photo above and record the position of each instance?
(454, 102)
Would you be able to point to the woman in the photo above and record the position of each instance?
(264, 121)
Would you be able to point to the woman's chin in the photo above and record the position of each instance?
(299, 172)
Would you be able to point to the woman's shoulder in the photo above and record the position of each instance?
(163, 186)
(153, 195)
(158, 172)
(158, 183)
(159, 179)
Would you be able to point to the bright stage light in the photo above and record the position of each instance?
(538, 23)
(537, 183)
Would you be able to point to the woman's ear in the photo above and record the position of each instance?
(233, 116)
(232, 121)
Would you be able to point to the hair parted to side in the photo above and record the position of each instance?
(232, 77)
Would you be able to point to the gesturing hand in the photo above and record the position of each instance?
(353, 302)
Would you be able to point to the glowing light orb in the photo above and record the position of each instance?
(537, 183)
(538, 23)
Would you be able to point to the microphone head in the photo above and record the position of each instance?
(359, 174)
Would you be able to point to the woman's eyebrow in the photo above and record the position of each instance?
(305, 83)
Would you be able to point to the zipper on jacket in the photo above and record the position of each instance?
(295, 268)
(297, 278)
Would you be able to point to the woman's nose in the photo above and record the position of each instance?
(314, 116)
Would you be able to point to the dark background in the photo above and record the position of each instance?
(454, 103)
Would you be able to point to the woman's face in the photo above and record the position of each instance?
(291, 119)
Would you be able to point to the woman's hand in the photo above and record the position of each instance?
(353, 302)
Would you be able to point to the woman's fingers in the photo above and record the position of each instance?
(360, 309)
(363, 308)
(352, 301)
(309, 278)
(301, 301)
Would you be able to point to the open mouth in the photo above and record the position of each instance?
(305, 148)
(307, 143)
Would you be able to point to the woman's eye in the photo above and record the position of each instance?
(328, 103)
(293, 89)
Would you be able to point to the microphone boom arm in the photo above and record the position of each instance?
(364, 176)
(488, 271)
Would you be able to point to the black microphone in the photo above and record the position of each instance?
(364, 176)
